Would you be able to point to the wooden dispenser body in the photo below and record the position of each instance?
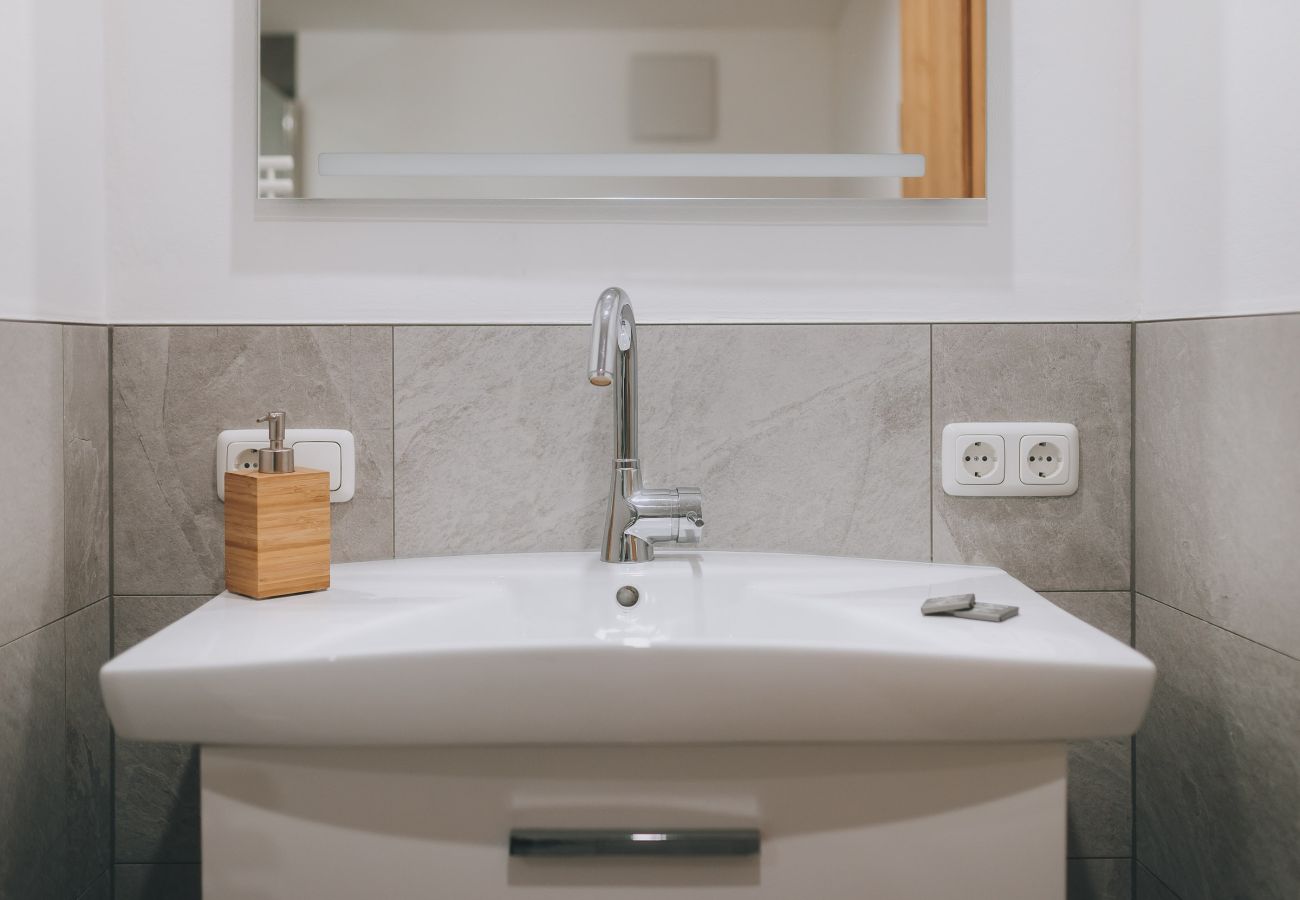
(277, 533)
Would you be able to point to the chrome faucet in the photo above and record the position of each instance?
(637, 518)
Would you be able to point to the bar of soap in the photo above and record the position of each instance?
(988, 612)
(939, 606)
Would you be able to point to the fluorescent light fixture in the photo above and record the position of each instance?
(625, 165)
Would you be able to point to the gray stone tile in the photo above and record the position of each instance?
(157, 882)
(157, 787)
(1047, 372)
(100, 889)
(1100, 796)
(1099, 879)
(1222, 547)
(1101, 773)
(1109, 611)
(33, 851)
(176, 388)
(31, 443)
(362, 528)
(1218, 773)
(85, 464)
(1148, 887)
(819, 424)
(501, 443)
(136, 618)
(827, 424)
(157, 802)
(89, 747)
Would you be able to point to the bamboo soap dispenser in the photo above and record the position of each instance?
(277, 523)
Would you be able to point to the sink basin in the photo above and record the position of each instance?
(534, 649)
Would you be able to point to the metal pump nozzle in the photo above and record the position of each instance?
(276, 459)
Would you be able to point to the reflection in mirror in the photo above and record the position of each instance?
(520, 99)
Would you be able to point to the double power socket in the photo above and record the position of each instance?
(1010, 459)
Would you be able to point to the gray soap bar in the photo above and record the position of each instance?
(988, 612)
(938, 606)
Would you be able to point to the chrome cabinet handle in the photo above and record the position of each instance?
(640, 843)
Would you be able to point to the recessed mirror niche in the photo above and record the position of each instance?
(625, 99)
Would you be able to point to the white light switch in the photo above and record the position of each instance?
(330, 449)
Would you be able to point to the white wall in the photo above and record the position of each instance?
(1220, 157)
(186, 246)
(17, 169)
(1212, 188)
(52, 160)
(1075, 193)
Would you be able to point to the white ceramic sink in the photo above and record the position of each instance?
(721, 647)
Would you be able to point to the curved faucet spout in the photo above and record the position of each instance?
(613, 362)
(606, 333)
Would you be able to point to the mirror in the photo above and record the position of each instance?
(526, 99)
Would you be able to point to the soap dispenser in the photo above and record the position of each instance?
(277, 523)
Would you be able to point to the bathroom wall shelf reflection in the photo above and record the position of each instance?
(625, 165)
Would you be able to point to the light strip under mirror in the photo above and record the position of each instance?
(633, 165)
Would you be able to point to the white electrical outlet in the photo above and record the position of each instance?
(1010, 459)
(980, 459)
(245, 461)
(1044, 459)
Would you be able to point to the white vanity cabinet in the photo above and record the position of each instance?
(836, 822)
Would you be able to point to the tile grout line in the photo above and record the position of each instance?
(1118, 590)
(1088, 858)
(1132, 476)
(1219, 318)
(112, 623)
(63, 534)
(1132, 592)
(207, 595)
(706, 324)
(585, 323)
(666, 323)
(63, 638)
(1260, 644)
(39, 628)
(392, 426)
(7, 320)
(84, 889)
(1160, 880)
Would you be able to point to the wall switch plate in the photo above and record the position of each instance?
(1010, 459)
(330, 449)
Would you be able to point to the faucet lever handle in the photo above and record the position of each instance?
(690, 512)
(667, 516)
